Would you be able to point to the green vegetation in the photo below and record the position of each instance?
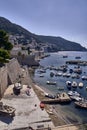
(5, 47)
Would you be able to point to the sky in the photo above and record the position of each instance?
(64, 18)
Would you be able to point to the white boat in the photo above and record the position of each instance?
(73, 76)
(68, 83)
(74, 84)
(84, 77)
(60, 88)
(59, 74)
(51, 82)
(73, 93)
(81, 85)
(41, 75)
(77, 98)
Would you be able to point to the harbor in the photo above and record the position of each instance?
(73, 79)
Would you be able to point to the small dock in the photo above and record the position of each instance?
(62, 98)
(77, 62)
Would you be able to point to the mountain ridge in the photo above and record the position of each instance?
(56, 43)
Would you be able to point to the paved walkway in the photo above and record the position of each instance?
(27, 114)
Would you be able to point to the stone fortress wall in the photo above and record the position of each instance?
(9, 74)
(3, 80)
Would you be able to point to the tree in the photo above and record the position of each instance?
(4, 42)
(4, 55)
(5, 47)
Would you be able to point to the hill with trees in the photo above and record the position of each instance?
(54, 43)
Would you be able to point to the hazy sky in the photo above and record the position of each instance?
(65, 18)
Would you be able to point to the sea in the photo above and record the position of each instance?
(69, 111)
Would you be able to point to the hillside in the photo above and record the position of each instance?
(54, 43)
(62, 44)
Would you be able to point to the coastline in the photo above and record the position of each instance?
(26, 112)
(58, 117)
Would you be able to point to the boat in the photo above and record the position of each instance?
(77, 70)
(74, 76)
(49, 95)
(71, 70)
(80, 85)
(74, 84)
(77, 57)
(7, 110)
(84, 77)
(42, 71)
(77, 98)
(60, 88)
(41, 75)
(66, 75)
(73, 93)
(81, 104)
(65, 56)
(68, 84)
(51, 74)
(59, 74)
(51, 82)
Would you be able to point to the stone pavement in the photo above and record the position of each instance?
(27, 114)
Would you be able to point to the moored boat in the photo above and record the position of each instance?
(77, 70)
(74, 84)
(51, 82)
(77, 57)
(51, 74)
(80, 85)
(77, 98)
(60, 88)
(73, 93)
(81, 104)
(65, 56)
(7, 110)
(84, 77)
(68, 84)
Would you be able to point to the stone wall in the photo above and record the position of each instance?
(9, 74)
(14, 71)
(3, 80)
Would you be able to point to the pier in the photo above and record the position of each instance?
(77, 62)
(62, 98)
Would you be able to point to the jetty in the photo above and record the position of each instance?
(62, 98)
(77, 62)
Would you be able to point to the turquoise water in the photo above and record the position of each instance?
(56, 59)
